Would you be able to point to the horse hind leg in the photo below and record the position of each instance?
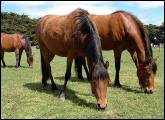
(46, 69)
(20, 54)
(2, 58)
(78, 67)
(17, 57)
(117, 55)
(79, 62)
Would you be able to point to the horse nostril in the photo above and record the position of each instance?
(151, 91)
(148, 91)
(145, 91)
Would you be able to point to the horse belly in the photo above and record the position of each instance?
(7, 46)
(56, 47)
(107, 46)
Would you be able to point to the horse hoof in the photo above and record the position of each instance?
(117, 84)
(44, 84)
(81, 78)
(54, 87)
(4, 65)
(62, 97)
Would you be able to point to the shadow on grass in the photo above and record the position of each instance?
(70, 94)
(127, 88)
(124, 87)
(72, 79)
(11, 66)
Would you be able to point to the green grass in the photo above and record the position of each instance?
(23, 96)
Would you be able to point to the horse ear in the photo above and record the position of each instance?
(106, 64)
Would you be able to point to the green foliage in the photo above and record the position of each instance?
(14, 23)
(155, 31)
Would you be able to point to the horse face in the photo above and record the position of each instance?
(30, 61)
(146, 74)
(99, 86)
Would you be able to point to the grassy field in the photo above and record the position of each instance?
(23, 96)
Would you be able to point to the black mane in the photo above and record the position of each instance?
(92, 41)
(28, 45)
(147, 42)
(92, 45)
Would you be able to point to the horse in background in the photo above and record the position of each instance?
(121, 31)
(16, 43)
(70, 36)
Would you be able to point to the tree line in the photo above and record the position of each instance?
(14, 23)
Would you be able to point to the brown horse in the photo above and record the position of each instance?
(121, 31)
(70, 36)
(16, 43)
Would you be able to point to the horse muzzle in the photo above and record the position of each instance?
(102, 106)
(148, 91)
(30, 66)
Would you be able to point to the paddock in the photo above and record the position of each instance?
(23, 95)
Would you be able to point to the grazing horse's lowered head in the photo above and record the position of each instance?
(146, 73)
(28, 50)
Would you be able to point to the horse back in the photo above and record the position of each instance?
(9, 42)
(50, 34)
(116, 30)
(57, 33)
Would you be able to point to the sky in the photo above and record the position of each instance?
(149, 12)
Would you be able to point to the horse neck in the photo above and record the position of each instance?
(146, 52)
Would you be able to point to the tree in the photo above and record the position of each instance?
(156, 33)
(14, 23)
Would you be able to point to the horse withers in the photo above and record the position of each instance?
(16, 43)
(70, 36)
(121, 31)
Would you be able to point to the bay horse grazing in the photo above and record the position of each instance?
(16, 43)
(121, 31)
(70, 36)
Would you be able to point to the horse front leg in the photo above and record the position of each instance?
(67, 77)
(2, 58)
(17, 57)
(20, 54)
(134, 57)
